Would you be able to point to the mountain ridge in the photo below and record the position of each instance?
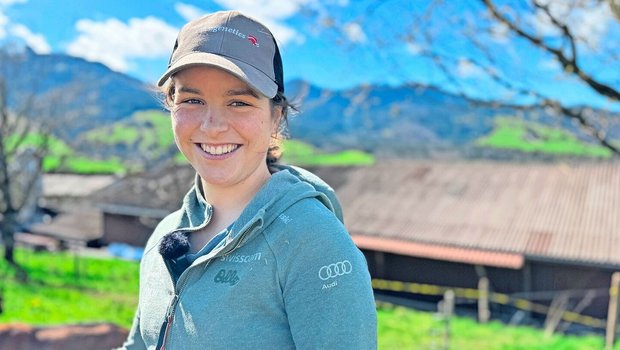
(401, 120)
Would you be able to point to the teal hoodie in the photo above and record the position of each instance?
(287, 275)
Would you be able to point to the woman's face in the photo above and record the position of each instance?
(221, 125)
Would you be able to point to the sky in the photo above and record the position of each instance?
(334, 44)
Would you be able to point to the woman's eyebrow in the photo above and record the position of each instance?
(189, 90)
(242, 91)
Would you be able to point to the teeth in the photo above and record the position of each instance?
(218, 150)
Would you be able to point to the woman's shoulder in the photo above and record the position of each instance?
(307, 221)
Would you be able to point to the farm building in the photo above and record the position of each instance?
(532, 229)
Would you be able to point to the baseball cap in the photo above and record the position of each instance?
(233, 42)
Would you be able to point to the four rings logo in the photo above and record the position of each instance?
(334, 270)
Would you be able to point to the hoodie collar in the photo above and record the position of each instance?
(283, 189)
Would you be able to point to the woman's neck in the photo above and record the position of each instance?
(228, 202)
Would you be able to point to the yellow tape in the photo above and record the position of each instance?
(498, 298)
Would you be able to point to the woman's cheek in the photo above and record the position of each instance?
(181, 122)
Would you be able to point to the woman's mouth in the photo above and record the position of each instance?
(218, 150)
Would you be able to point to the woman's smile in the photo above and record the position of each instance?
(219, 151)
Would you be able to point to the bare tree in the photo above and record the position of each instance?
(29, 112)
(522, 54)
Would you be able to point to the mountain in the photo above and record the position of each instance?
(108, 95)
(399, 120)
(383, 120)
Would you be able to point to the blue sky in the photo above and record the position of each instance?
(135, 37)
(332, 43)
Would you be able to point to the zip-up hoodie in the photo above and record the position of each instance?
(287, 275)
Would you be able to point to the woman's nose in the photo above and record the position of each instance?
(213, 121)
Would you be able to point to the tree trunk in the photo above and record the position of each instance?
(8, 253)
(7, 227)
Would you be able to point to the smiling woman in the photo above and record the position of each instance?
(223, 128)
(257, 256)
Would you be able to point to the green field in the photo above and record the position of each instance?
(515, 134)
(148, 134)
(61, 158)
(105, 290)
(303, 154)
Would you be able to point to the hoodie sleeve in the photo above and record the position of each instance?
(325, 282)
(134, 339)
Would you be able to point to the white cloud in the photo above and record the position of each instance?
(549, 65)
(188, 12)
(414, 48)
(36, 42)
(588, 24)
(3, 21)
(260, 9)
(115, 43)
(467, 69)
(354, 32)
(271, 13)
(11, 2)
(500, 33)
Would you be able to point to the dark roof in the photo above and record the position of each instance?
(560, 212)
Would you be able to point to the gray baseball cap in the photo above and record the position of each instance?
(233, 42)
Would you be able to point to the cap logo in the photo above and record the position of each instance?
(253, 40)
(236, 32)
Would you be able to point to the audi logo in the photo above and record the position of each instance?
(334, 270)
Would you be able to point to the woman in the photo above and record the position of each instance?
(257, 257)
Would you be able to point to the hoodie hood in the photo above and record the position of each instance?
(285, 187)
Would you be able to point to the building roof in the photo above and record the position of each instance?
(486, 213)
(82, 226)
(559, 212)
(70, 185)
(153, 194)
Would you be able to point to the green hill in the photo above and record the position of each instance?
(128, 145)
(515, 134)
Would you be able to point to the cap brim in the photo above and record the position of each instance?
(250, 75)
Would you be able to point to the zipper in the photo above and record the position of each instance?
(183, 281)
(169, 318)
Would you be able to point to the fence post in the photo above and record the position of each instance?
(612, 312)
(483, 300)
(555, 313)
(448, 311)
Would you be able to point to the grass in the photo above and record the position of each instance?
(401, 328)
(154, 137)
(149, 134)
(107, 290)
(303, 154)
(529, 137)
(145, 131)
(61, 158)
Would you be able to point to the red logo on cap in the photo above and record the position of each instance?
(253, 40)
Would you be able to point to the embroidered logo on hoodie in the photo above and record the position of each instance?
(227, 276)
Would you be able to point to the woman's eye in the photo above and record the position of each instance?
(239, 104)
(192, 101)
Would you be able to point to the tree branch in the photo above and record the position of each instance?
(569, 64)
